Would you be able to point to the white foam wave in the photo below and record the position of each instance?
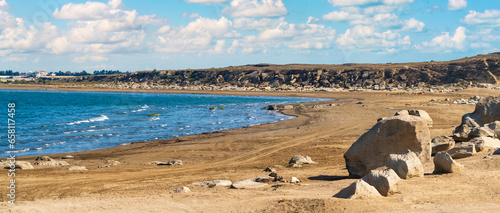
(100, 118)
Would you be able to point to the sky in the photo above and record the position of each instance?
(127, 35)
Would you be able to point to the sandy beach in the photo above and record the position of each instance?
(322, 132)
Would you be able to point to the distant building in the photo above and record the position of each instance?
(41, 73)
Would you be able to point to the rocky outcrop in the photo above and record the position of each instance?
(44, 158)
(462, 150)
(385, 181)
(481, 122)
(485, 143)
(444, 163)
(393, 135)
(442, 143)
(358, 189)
(52, 163)
(17, 165)
(169, 163)
(406, 165)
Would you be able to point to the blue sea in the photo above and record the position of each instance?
(48, 122)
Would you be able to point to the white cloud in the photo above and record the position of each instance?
(363, 2)
(366, 39)
(413, 24)
(346, 14)
(304, 36)
(457, 4)
(20, 38)
(206, 1)
(246, 23)
(191, 15)
(87, 58)
(101, 28)
(445, 42)
(199, 35)
(255, 8)
(488, 17)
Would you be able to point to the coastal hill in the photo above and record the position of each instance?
(461, 72)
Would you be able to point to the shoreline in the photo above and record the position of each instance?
(323, 133)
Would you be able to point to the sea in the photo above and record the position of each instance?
(48, 122)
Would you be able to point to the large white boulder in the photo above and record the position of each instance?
(393, 135)
(486, 112)
(406, 165)
(358, 189)
(385, 181)
(485, 143)
(444, 163)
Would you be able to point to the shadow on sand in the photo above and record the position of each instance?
(329, 178)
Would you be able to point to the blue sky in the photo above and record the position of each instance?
(131, 35)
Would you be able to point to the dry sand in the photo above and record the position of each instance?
(323, 133)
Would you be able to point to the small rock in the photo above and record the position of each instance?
(112, 162)
(181, 189)
(44, 158)
(442, 143)
(462, 150)
(295, 180)
(406, 165)
(485, 143)
(273, 174)
(68, 157)
(269, 169)
(249, 183)
(214, 183)
(385, 181)
(52, 163)
(481, 132)
(77, 168)
(170, 163)
(299, 159)
(265, 179)
(358, 189)
(497, 152)
(444, 163)
(19, 165)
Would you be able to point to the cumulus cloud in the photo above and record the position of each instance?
(199, 35)
(255, 8)
(303, 36)
(20, 38)
(445, 42)
(488, 17)
(101, 28)
(413, 25)
(457, 4)
(367, 39)
(363, 2)
(206, 1)
(246, 23)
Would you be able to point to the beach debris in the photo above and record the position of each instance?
(249, 183)
(358, 189)
(269, 169)
(444, 163)
(485, 113)
(181, 189)
(17, 165)
(392, 135)
(44, 158)
(154, 114)
(68, 157)
(170, 163)
(213, 183)
(77, 168)
(295, 180)
(485, 143)
(462, 150)
(385, 181)
(406, 165)
(299, 160)
(52, 163)
(442, 143)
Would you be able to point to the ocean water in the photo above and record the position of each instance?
(48, 122)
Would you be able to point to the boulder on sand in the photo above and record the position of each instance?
(181, 189)
(462, 150)
(393, 135)
(358, 189)
(442, 143)
(485, 143)
(299, 160)
(52, 163)
(406, 165)
(214, 183)
(18, 165)
(486, 112)
(444, 163)
(44, 158)
(249, 183)
(385, 181)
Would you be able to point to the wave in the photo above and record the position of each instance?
(100, 118)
